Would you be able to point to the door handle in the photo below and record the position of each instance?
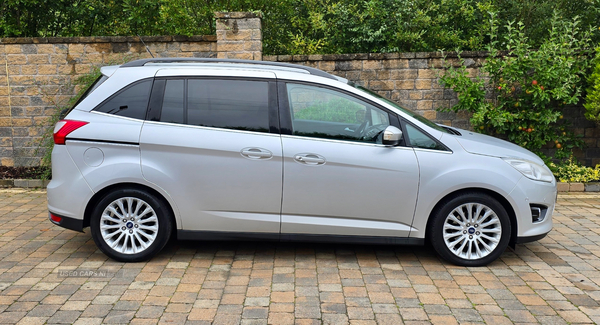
(309, 159)
(256, 153)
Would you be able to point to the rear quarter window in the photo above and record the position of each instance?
(131, 101)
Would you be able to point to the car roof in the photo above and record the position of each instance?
(207, 63)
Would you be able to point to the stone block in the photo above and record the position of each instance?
(430, 115)
(16, 59)
(592, 187)
(562, 187)
(403, 74)
(45, 49)
(34, 183)
(47, 69)
(6, 182)
(29, 49)
(255, 46)
(418, 64)
(327, 65)
(241, 56)
(405, 84)
(12, 49)
(38, 58)
(576, 187)
(21, 183)
(6, 161)
(381, 85)
(395, 64)
(423, 84)
(428, 73)
(423, 105)
(28, 69)
(230, 46)
(372, 64)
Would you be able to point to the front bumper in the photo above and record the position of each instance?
(523, 240)
(529, 194)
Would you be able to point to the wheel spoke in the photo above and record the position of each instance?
(114, 211)
(104, 226)
(452, 227)
(120, 204)
(484, 216)
(484, 244)
(453, 217)
(492, 239)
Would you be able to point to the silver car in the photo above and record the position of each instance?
(212, 149)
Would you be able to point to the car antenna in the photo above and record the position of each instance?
(147, 49)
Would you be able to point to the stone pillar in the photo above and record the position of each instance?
(239, 35)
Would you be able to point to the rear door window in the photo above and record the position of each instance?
(228, 104)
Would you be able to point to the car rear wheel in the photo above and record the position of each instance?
(472, 229)
(130, 225)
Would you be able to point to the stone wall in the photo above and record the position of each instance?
(411, 80)
(36, 73)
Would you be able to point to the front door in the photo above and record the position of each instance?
(338, 177)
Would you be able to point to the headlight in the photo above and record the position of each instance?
(531, 170)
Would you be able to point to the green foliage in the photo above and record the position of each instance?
(529, 87)
(571, 171)
(592, 99)
(334, 110)
(302, 26)
(46, 142)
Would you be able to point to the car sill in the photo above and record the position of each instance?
(221, 235)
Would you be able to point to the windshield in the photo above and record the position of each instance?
(410, 113)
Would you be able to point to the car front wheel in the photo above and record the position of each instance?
(472, 229)
(130, 225)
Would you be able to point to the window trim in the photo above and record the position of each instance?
(122, 90)
(285, 112)
(406, 137)
(272, 110)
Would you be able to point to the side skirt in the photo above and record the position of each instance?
(220, 235)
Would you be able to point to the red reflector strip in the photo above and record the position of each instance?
(55, 218)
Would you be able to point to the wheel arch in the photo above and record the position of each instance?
(497, 196)
(100, 194)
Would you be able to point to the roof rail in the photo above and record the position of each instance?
(313, 71)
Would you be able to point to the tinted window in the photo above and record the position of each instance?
(129, 102)
(419, 139)
(324, 113)
(230, 104)
(173, 102)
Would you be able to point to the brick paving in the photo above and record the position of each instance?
(553, 281)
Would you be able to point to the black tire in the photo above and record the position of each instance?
(164, 223)
(436, 230)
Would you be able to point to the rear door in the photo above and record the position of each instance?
(213, 144)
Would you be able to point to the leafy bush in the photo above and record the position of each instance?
(571, 171)
(301, 26)
(592, 100)
(528, 87)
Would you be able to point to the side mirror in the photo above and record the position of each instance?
(391, 136)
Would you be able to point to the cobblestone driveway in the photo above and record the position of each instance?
(554, 281)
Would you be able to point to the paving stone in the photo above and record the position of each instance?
(119, 317)
(552, 281)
